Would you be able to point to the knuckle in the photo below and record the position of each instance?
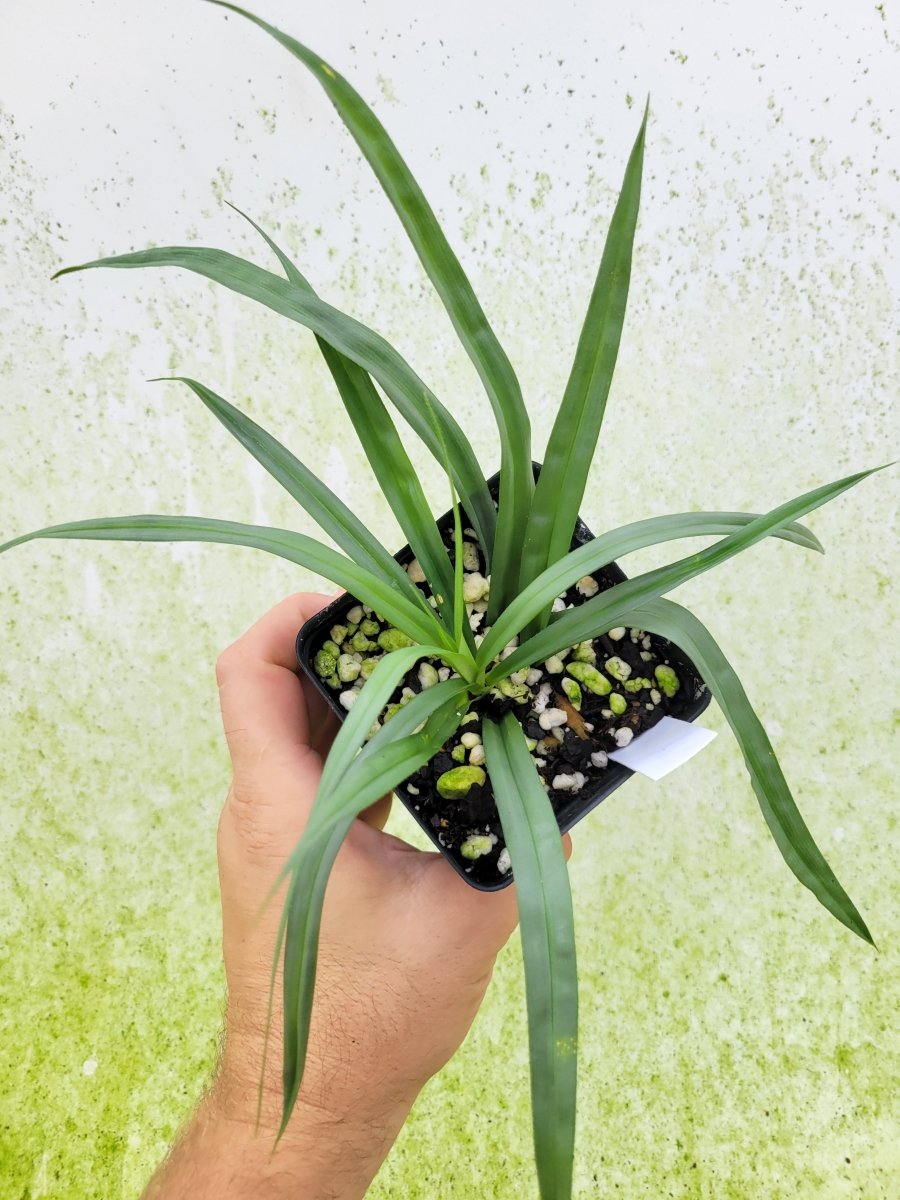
(246, 821)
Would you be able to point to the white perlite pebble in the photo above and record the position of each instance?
(655, 696)
(503, 861)
(588, 586)
(428, 675)
(551, 718)
(599, 759)
(474, 586)
(559, 605)
(412, 789)
(618, 633)
(348, 699)
(470, 557)
(415, 572)
(623, 737)
(476, 755)
(471, 739)
(569, 783)
(554, 665)
(508, 649)
(533, 676)
(355, 614)
(443, 674)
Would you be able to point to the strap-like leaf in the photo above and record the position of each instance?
(573, 439)
(326, 509)
(453, 287)
(548, 947)
(615, 544)
(295, 547)
(388, 758)
(369, 704)
(587, 620)
(369, 350)
(791, 835)
(383, 448)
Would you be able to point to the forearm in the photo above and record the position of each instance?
(221, 1156)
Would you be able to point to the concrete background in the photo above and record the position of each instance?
(736, 1041)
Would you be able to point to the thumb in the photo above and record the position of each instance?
(265, 714)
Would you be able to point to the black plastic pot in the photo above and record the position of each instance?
(694, 699)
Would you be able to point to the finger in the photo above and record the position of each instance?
(377, 814)
(488, 918)
(265, 710)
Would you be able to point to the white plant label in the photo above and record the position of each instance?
(663, 748)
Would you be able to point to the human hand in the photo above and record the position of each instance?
(406, 948)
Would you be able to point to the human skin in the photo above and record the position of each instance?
(406, 952)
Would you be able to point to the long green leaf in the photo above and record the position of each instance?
(788, 828)
(369, 704)
(453, 287)
(383, 448)
(548, 947)
(369, 350)
(573, 439)
(613, 545)
(295, 547)
(395, 474)
(587, 620)
(326, 509)
(398, 749)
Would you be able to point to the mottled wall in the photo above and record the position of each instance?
(736, 1041)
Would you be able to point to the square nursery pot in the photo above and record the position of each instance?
(447, 822)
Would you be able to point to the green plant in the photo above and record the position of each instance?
(525, 538)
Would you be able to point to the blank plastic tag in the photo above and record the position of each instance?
(663, 748)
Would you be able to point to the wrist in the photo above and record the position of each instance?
(223, 1155)
(334, 1143)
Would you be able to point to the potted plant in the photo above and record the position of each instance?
(491, 667)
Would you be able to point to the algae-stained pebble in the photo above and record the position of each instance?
(393, 639)
(589, 677)
(325, 663)
(476, 845)
(347, 668)
(667, 680)
(457, 782)
(584, 652)
(360, 643)
(572, 691)
(618, 668)
(618, 704)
